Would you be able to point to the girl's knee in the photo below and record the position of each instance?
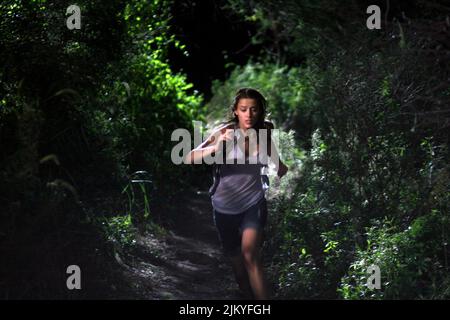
(250, 256)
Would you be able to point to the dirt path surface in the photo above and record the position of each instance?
(185, 264)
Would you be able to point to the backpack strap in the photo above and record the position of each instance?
(216, 179)
(216, 172)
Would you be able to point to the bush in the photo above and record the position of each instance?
(413, 262)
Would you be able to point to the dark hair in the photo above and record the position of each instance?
(261, 102)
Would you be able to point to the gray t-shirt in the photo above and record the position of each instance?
(240, 185)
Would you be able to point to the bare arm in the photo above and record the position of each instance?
(274, 156)
(209, 146)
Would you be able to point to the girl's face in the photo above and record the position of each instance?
(247, 112)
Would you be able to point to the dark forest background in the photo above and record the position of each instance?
(364, 115)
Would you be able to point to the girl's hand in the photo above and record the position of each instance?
(224, 136)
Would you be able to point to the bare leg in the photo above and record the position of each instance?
(241, 275)
(251, 241)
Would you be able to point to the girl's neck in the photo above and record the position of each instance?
(239, 127)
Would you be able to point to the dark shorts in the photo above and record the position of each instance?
(231, 226)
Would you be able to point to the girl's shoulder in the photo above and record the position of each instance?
(225, 126)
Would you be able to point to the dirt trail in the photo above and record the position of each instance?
(185, 264)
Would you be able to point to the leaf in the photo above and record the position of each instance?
(67, 91)
(65, 185)
(127, 88)
(50, 157)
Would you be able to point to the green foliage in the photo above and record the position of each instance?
(104, 101)
(413, 262)
(376, 152)
(116, 102)
(142, 101)
(120, 231)
(138, 192)
(365, 133)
